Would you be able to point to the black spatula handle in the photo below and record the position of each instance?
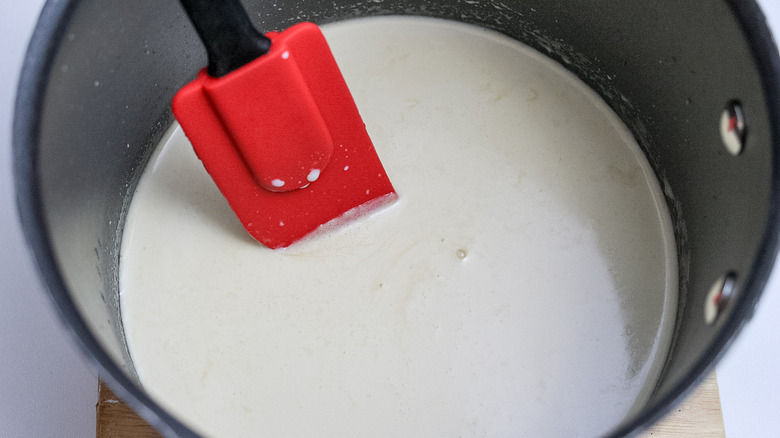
(230, 39)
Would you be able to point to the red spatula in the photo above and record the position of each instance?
(276, 127)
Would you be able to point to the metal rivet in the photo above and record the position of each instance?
(719, 295)
(732, 128)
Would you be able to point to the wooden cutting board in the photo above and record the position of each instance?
(699, 416)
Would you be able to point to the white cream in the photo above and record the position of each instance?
(523, 285)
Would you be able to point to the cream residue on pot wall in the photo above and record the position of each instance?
(523, 285)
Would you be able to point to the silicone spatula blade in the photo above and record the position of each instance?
(277, 127)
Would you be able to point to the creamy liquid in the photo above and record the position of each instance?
(523, 285)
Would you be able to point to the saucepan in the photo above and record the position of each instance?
(695, 82)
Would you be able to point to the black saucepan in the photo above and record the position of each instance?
(99, 76)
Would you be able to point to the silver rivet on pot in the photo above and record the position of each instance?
(732, 128)
(717, 298)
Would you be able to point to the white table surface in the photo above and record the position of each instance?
(48, 390)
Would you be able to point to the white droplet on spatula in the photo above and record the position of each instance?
(313, 175)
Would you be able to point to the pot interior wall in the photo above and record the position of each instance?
(667, 68)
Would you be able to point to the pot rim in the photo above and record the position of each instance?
(31, 92)
(765, 55)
